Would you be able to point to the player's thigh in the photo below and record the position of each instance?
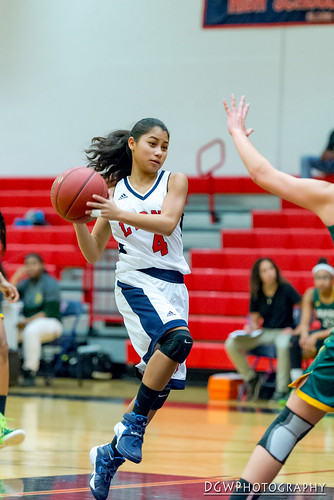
(303, 409)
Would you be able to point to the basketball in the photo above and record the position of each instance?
(72, 189)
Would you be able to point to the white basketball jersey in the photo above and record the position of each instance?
(139, 249)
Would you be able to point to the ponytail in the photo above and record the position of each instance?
(111, 155)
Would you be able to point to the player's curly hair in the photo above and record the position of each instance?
(111, 155)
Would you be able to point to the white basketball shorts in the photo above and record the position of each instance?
(151, 307)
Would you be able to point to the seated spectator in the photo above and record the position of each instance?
(272, 301)
(40, 321)
(324, 163)
(318, 302)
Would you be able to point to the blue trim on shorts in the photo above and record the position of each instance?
(167, 326)
(164, 274)
(148, 316)
(177, 384)
(174, 383)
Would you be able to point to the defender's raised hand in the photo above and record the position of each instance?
(236, 116)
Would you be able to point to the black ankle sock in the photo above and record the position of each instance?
(113, 446)
(145, 400)
(3, 404)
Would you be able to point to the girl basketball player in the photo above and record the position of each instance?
(7, 436)
(313, 396)
(144, 214)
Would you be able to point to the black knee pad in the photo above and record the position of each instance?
(176, 345)
(161, 399)
(283, 434)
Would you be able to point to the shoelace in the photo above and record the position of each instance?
(105, 469)
(4, 422)
(3, 426)
(138, 428)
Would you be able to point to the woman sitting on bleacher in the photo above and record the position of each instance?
(272, 302)
(40, 320)
(318, 301)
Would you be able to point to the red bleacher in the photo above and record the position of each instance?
(56, 241)
(27, 198)
(278, 238)
(15, 184)
(286, 218)
(223, 185)
(218, 285)
(41, 235)
(243, 258)
(225, 273)
(236, 280)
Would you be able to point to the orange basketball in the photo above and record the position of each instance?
(72, 189)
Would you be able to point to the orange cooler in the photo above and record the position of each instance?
(223, 386)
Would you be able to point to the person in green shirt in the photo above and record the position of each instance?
(318, 301)
(40, 320)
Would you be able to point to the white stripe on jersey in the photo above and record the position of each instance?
(141, 249)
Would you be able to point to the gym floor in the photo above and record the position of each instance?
(190, 446)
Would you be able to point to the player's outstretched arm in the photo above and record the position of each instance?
(315, 195)
(163, 223)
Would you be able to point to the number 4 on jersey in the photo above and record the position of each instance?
(159, 244)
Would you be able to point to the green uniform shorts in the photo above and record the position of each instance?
(318, 390)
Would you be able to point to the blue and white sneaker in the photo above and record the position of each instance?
(105, 467)
(130, 434)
